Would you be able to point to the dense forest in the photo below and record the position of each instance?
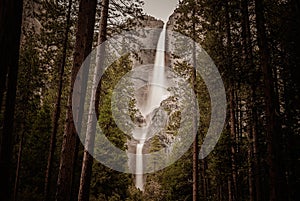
(254, 45)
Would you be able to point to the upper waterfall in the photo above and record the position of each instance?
(157, 86)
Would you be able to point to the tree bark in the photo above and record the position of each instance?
(273, 127)
(195, 127)
(220, 192)
(229, 184)
(83, 45)
(231, 104)
(250, 160)
(256, 160)
(17, 176)
(195, 169)
(57, 110)
(232, 143)
(254, 170)
(10, 26)
(87, 163)
(250, 175)
(204, 179)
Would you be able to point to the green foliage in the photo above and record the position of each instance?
(171, 183)
(108, 184)
(35, 154)
(40, 57)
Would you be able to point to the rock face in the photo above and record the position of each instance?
(172, 21)
(144, 57)
(151, 22)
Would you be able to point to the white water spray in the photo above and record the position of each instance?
(156, 94)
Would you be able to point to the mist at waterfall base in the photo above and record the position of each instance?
(156, 94)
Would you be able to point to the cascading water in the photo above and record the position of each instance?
(156, 94)
(157, 90)
(139, 166)
(140, 135)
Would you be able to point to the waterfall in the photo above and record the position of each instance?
(156, 94)
(140, 135)
(157, 91)
(139, 167)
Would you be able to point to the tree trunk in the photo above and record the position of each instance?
(17, 176)
(231, 103)
(195, 127)
(230, 196)
(87, 163)
(250, 160)
(290, 46)
(250, 176)
(256, 160)
(273, 128)
(57, 110)
(294, 40)
(204, 180)
(220, 192)
(256, 166)
(253, 171)
(232, 143)
(195, 169)
(83, 45)
(10, 26)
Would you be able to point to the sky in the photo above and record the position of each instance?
(160, 9)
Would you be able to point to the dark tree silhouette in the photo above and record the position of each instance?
(10, 26)
(84, 38)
